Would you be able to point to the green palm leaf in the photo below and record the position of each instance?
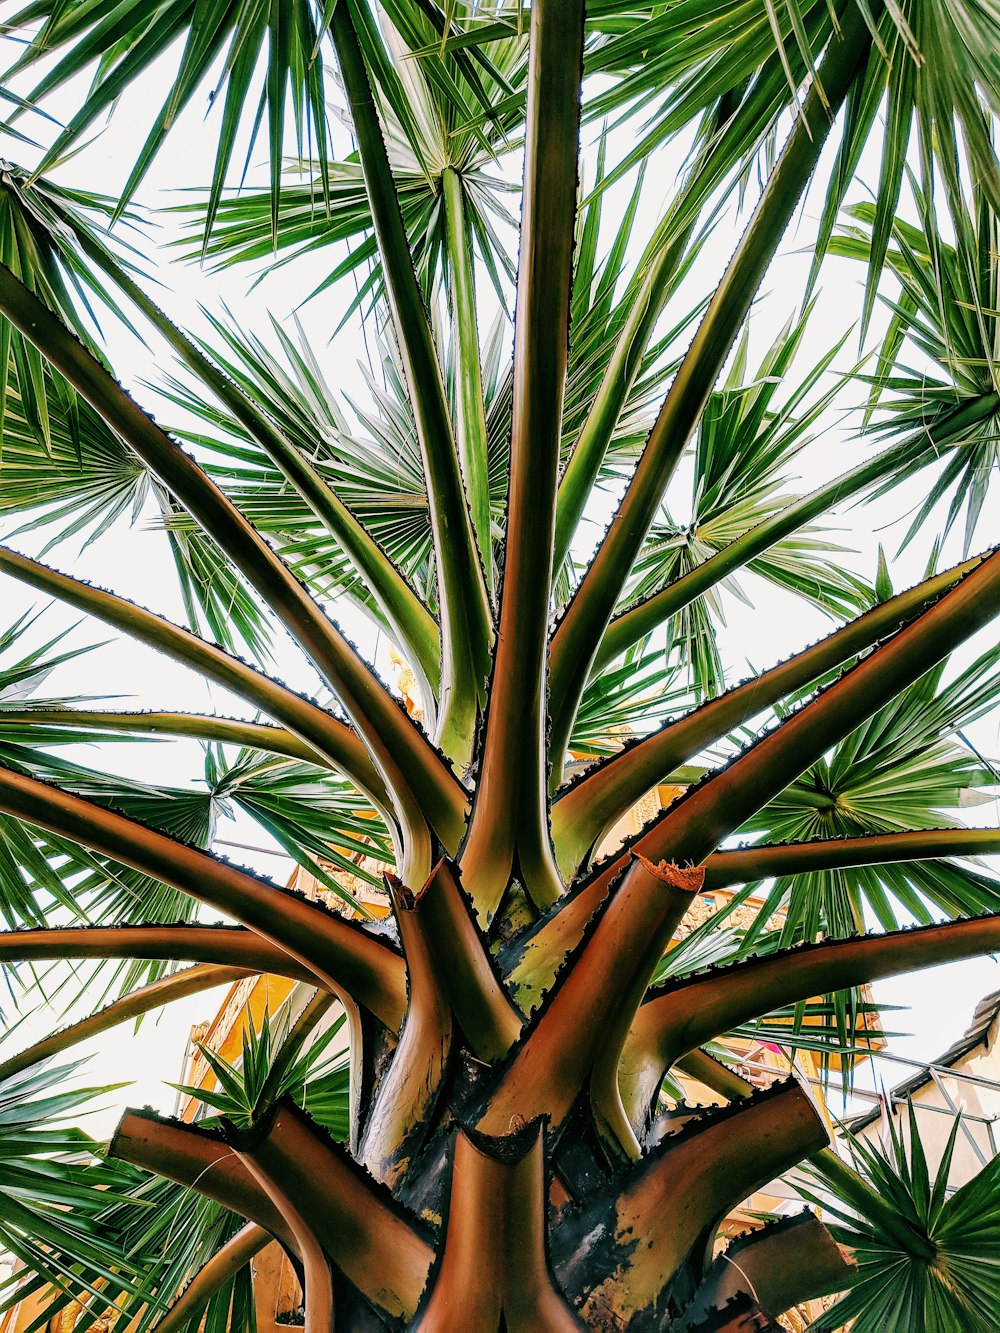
(929, 67)
(428, 109)
(374, 467)
(54, 1188)
(750, 432)
(946, 312)
(272, 1066)
(269, 52)
(38, 225)
(83, 479)
(907, 767)
(312, 815)
(162, 1233)
(946, 1279)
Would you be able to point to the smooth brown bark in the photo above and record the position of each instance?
(577, 1036)
(493, 1273)
(785, 1263)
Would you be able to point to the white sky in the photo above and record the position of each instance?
(135, 562)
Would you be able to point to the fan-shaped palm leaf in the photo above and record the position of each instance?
(934, 1267)
(271, 1066)
(907, 767)
(38, 223)
(270, 51)
(428, 108)
(749, 434)
(948, 313)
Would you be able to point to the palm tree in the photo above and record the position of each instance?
(512, 1158)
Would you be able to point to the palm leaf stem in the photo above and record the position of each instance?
(224, 946)
(220, 730)
(682, 1015)
(358, 1226)
(176, 986)
(317, 1277)
(596, 1001)
(342, 956)
(520, 1292)
(638, 621)
(715, 1163)
(464, 966)
(746, 865)
(697, 823)
(719, 1077)
(325, 736)
(658, 271)
(592, 805)
(411, 1088)
(466, 622)
(404, 756)
(508, 828)
(472, 435)
(786, 1263)
(579, 634)
(583, 469)
(409, 618)
(540, 955)
(199, 1160)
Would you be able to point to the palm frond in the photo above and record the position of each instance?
(946, 312)
(946, 1278)
(54, 1189)
(315, 817)
(907, 767)
(429, 108)
(269, 53)
(750, 433)
(39, 222)
(316, 1078)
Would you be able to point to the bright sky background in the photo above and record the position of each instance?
(135, 562)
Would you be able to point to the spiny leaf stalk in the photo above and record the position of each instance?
(555, 873)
